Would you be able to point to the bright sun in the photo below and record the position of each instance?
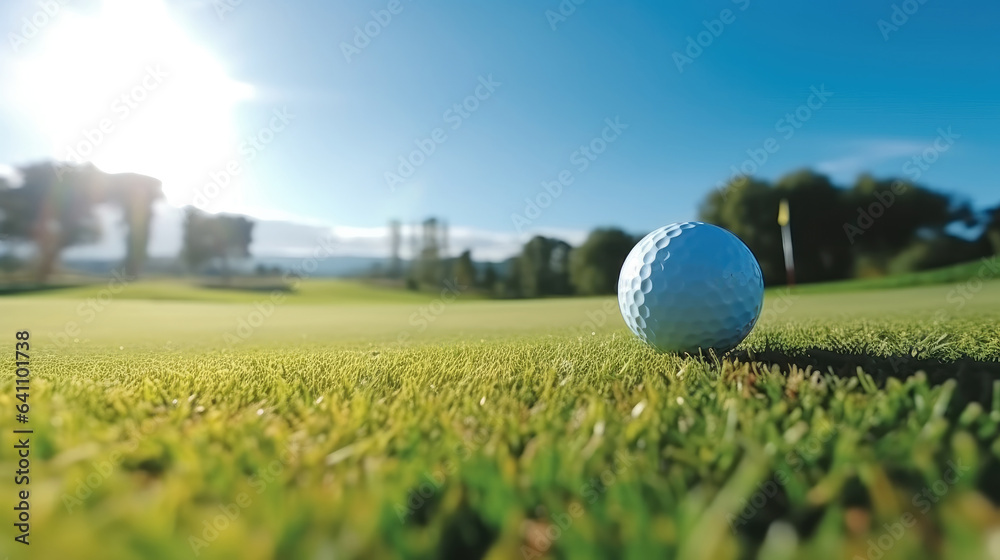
(128, 90)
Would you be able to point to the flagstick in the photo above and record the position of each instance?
(786, 241)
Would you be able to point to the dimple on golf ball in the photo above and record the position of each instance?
(691, 287)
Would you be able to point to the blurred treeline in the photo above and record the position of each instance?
(48, 207)
(872, 228)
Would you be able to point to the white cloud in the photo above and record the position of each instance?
(866, 154)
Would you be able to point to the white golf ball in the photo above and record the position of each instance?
(691, 287)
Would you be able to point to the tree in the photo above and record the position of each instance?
(395, 245)
(8, 261)
(594, 267)
(887, 216)
(465, 271)
(749, 208)
(18, 211)
(54, 207)
(209, 237)
(935, 253)
(822, 251)
(135, 195)
(991, 235)
(428, 251)
(837, 233)
(511, 286)
(488, 282)
(544, 267)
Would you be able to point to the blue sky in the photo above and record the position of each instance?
(556, 83)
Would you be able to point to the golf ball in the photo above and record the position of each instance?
(691, 286)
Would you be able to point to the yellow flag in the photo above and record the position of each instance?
(783, 213)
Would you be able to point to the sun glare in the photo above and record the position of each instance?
(127, 89)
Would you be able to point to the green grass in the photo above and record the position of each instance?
(311, 292)
(988, 268)
(342, 428)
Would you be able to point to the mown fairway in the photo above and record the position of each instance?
(351, 422)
